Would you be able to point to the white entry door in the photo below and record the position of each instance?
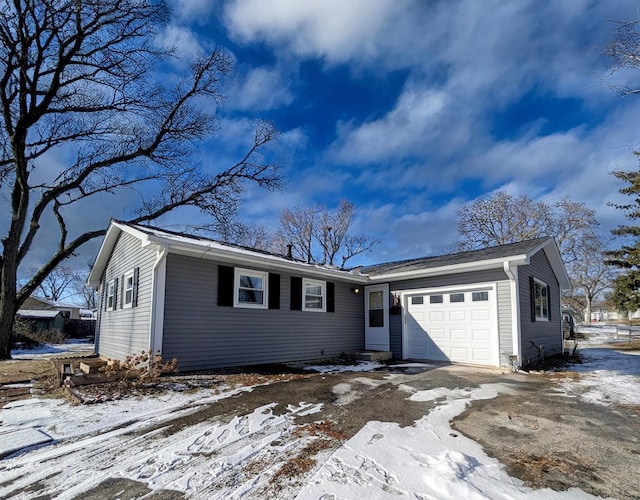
(376, 317)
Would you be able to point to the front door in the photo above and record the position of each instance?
(376, 317)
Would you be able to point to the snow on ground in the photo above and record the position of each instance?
(606, 376)
(49, 350)
(214, 459)
(424, 461)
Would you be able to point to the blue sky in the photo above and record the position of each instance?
(410, 109)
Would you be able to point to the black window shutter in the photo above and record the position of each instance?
(225, 286)
(331, 297)
(296, 293)
(115, 294)
(122, 292)
(274, 291)
(134, 292)
(532, 288)
(548, 302)
(105, 295)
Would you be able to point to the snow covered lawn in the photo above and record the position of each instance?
(251, 455)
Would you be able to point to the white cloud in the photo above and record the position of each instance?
(182, 40)
(192, 10)
(401, 132)
(261, 89)
(336, 30)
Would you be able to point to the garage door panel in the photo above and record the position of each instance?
(436, 315)
(459, 353)
(457, 315)
(480, 315)
(458, 329)
(477, 334)
(460, 334)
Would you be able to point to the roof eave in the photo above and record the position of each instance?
(484, 265)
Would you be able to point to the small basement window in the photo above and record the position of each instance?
(250, 289)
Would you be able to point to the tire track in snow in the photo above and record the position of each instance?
(209, 458)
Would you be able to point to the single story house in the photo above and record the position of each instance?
(69, 311)
(211, 305)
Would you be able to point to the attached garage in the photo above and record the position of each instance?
(458, 325)
(474, 307)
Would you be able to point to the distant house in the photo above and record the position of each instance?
(69, 311)
(41, 320)
(210, 304)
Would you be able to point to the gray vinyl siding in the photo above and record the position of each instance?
(505, 329)
(125, 331)
(395, 335)
(545, 334)
(505, 321)
(200, 334)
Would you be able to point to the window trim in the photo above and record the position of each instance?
(239, 271)
(544, 300)
(111, 295)
(323, 295)
(126, 289)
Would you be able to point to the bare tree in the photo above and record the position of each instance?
(503, 218)
(57, 282)
(320, 235)
(78, 85)
(623, 52)
(298, 228)
(590, 275)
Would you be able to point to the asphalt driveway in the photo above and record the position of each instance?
(543, 436)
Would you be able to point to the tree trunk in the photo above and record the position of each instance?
(587, 309)
(7, 308)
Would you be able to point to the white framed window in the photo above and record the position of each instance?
(250, 289)
(541, 300)
(129, 283)
(111, 295)
(314, 295)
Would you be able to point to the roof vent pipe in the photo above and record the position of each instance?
(289, 251)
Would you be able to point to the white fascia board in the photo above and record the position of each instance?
(517, 260)
(216, 251)
(104, 254)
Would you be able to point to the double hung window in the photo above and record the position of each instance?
(315, 293)
(541, 300)
(250, 289)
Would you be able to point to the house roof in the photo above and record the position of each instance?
(513, 254)
(503, 257)
(207, 248)
(37, 313)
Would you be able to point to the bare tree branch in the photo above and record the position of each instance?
(77, 81)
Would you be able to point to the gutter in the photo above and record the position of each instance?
(158, 281)
(512, 273)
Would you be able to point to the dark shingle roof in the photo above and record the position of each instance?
(497, 252)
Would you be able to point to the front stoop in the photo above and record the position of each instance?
(368, 355)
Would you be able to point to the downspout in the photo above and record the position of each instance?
(157, 300)
(516, 331)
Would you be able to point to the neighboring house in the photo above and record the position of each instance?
(69, 311)
(41, 320)
(211, 305)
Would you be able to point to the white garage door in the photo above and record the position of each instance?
(459, 325)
